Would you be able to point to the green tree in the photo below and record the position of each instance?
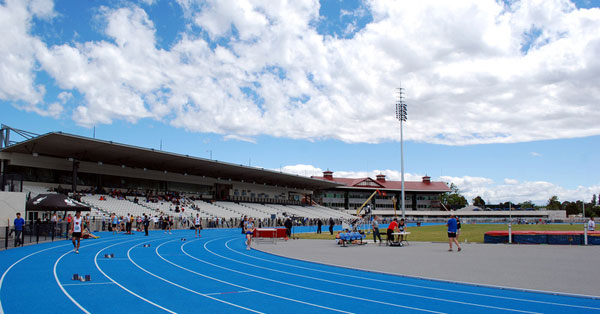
(478, 201)
(594, 201)
(527, 205)
(554, 204)
(454, 199)
(572, 208)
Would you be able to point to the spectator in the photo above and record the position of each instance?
(146, 224)
(288, 227)
(319, 224)
(591, 224)
(375, 226)
(331, 224)
(19, 223)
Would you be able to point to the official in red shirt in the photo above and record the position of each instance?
(393, 226)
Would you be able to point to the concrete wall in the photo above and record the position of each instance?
(11, 203)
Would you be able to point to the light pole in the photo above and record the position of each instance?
(509, 222)
(401, 116)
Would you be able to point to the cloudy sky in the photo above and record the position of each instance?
(502, 96)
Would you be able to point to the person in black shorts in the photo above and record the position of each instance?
(452, 233)
(197, 225)
(76, 231)
(146, 223)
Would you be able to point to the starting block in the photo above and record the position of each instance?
(146, 245)
(182, 239)
(82, 278)
(111, 255)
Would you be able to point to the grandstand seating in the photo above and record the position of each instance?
(35, 190)
(121, 207)
(244, 210)
(220, 209)
(216, 210)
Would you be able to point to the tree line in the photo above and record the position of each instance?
(455, 200)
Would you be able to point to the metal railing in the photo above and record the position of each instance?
(32, 233)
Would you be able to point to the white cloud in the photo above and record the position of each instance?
(511, 190)
(239, 138)
(468, 75)
(17, 47)
(310, 170)
(534, 154)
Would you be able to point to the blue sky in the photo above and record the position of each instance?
(502, 98)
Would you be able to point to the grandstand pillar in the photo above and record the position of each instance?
(75, 168)
(2, 176)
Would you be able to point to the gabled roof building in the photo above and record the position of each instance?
(353, 192)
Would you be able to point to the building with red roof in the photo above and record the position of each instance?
(421, 195)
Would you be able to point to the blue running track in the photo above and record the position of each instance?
(216, 274)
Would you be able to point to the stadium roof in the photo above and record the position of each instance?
(61, 145)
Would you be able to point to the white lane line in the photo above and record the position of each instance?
(62, 288)
(231, 292)
(87, 283)
(17, 262)
(422, 278)
(180, 286)
(304, 287)
(373, 289)
(242, 287)
(123, 287)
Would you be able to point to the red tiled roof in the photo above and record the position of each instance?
(393, 185)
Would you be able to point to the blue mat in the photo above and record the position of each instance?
(216, 274)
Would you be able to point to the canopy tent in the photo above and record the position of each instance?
(54, 202)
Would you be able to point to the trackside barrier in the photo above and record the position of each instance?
(33, 232)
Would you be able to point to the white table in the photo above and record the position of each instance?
(404, 235)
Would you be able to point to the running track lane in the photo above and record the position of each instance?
(216, 274)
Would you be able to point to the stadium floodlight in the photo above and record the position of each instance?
(401, 116)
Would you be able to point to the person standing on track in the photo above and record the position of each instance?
(115, 223)
(331, 224)
(19, 223)
(128, 224)
(249, 228)
(319, 224)
(452, 233)
(146, 224)
(375, 226)
(76, 231)
(288, 227)
(197, 226)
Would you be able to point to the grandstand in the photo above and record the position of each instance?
(120, 207)
(244, 209)
(74, 164)
(35, 190)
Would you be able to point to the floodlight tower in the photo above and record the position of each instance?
(401, 116)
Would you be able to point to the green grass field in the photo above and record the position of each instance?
(469, 232)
